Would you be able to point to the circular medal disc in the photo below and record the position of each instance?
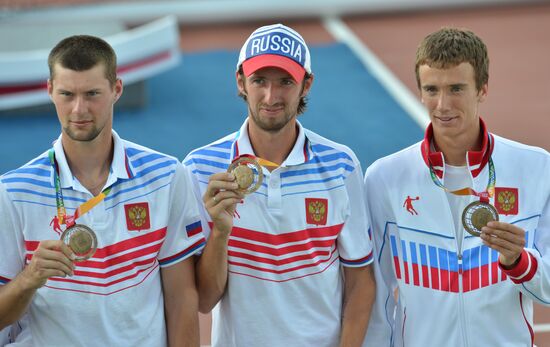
(81, 240)
(476, 215)
(248, 174)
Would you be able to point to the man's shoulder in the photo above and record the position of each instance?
(144, 163)
(513, 148)
(407, 156)
(135, 151)
(38, 167)
(322, 146)
(216, 151)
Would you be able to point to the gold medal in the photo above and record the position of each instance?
(81, 240)
(248, 174)
(476, 215)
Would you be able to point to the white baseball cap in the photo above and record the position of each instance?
(275, 46)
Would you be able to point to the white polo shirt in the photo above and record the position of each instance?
(115, 297)
(289, 241)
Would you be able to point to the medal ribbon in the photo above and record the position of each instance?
(262, 162)
(82, 209)
(483, 196)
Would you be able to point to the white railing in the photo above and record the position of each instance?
(142, 52)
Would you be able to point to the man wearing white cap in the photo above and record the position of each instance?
(288, 255)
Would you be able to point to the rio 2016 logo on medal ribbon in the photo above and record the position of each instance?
(507, 200)
(316, 211)
(137, 216)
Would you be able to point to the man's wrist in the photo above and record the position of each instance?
(510, 266)
(24, 283)
(220, 234)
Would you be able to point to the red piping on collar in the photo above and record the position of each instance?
(476, 160)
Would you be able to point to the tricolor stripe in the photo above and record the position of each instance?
(193, 229)
(439, 269)
(358, 262)
(183, 254)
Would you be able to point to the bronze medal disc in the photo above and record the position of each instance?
(248, 174)
(476, 215)
(81, 240)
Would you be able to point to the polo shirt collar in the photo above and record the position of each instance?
(299, 154)
(475, 160)
(121, 167)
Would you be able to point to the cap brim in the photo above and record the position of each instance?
(272, 60)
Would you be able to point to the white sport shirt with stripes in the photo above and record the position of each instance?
(289, 241)
(149, 220)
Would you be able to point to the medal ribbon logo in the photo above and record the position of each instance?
(262, 162)
(483, 196)
(477, 214)
(62, 216)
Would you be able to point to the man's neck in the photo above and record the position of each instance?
(454, 148)
(90, 162)
(273, 146)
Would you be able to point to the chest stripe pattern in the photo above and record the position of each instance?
(432, 267)
(120, 265)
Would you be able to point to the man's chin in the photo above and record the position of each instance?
(82, 136)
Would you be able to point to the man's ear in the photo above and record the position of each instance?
(240, 83)
(50, 88)
(482, 94)
(119, 88)
(307, 85)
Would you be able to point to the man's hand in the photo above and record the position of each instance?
(220, 200)
(51, 258)
(507, 239)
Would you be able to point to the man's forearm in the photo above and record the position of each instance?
(181, 304)
(212, 271)
(359, 293)
(15, 298)
(182, 323)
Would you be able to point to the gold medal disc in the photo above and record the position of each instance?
(81, 240)
(476, 215)
(248, 174)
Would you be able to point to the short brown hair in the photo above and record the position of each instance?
(449, 47)
(83, 52)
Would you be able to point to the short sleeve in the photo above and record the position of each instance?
(184, 234)
(11, 238)
(205, 217)
(354, 244)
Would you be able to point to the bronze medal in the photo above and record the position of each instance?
(476, 215)
(81, 240)
(248, 174)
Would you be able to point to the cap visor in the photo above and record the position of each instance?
(272, 60)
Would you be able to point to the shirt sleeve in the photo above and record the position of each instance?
(184, 235)
(11, 238)
(354, 244)
(532, 273)
(198, 193)
(381, 324)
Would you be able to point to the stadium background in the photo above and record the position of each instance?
(364, 94)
